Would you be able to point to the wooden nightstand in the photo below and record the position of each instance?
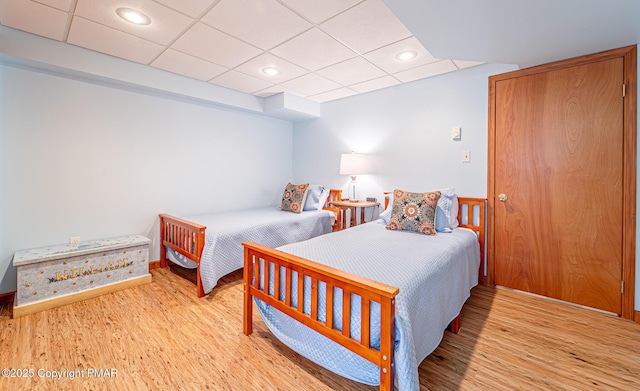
(352, 206)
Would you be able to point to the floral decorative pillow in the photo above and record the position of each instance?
(414, 211)
(294, 197)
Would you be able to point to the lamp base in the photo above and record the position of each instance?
(353, 184)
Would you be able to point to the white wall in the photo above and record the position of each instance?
(81, 159)
(406, 131)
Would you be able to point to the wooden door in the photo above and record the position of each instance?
(557, 179)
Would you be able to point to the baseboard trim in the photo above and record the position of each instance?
(637, 317)
(154, 265)
(7, 298)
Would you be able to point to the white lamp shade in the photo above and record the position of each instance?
(353, 164)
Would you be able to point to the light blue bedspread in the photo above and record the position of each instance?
(223, 251)
(434, 274)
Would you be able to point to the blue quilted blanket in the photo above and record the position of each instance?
(434, 274)
(223, 251)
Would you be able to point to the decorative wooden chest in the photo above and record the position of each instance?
(56, 275)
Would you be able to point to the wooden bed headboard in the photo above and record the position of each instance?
(471, 215)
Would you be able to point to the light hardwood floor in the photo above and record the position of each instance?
(160, 336)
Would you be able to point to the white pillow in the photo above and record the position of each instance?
(446, 212)
(453, 217)
(386, 214)
(316, 198)
(323, 198)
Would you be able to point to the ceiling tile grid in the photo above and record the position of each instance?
(313, 50)
(63, 5)
(311, 84)
(264, 23)
(239, 81)
(116, 43)
(35, 18)
(256, 67)
(192, 8)
(320, 50)
(215, 46)
(166, 23)
(181, 63)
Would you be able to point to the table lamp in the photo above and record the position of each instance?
(353, 164)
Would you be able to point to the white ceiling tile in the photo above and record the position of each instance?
(319, 11)
(63, 5)
(333, 95)
(34, 18)
(366, 27)
(375, 84)
(212, 45)
(320, 47)
(325, 50)
(287, 70)
(352, 71)
(311, 84)
(240, 82)
(465, 64)
(192, 8)
(267, 92)
(184, 64)
(166, 24)
(385, 56)
(433, 69)
(264, 23)
(104, 39)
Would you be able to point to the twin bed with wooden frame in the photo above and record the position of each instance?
(273, 277)
(187, 238)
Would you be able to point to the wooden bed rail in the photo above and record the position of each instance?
(185, 237)
(369, 291)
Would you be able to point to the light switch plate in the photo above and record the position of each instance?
(466, 156)
(456, 133)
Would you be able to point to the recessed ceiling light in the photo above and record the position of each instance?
(133, 16)
(406, 55)
(271, 71)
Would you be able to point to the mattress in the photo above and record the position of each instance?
(223, 251)
(433, 273)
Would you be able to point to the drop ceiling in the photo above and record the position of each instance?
(323, 50)
(524, 33)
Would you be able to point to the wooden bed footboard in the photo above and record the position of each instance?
(257, 261)
(186, 238)
(369, 291)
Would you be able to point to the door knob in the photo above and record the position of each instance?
(502, 197)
